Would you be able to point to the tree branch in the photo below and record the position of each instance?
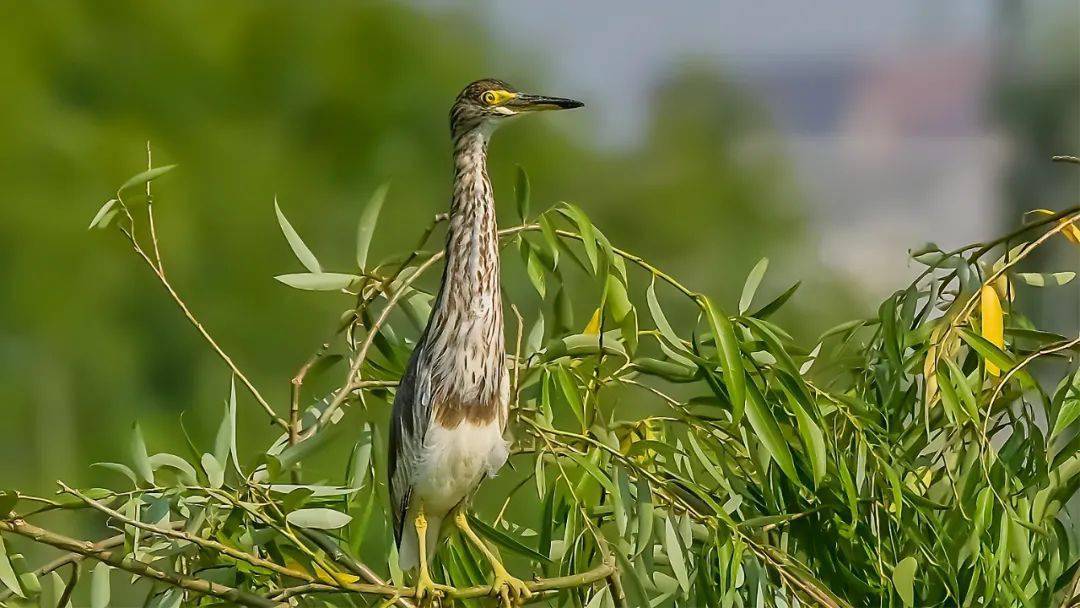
(90, 550)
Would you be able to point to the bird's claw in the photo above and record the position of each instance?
(428, 590)
(509, 590)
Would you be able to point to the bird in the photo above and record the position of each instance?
(450, 410)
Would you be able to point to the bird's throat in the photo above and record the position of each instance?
(466, 324)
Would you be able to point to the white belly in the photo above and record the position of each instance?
(454, 461)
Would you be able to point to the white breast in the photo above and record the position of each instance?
(455, 460)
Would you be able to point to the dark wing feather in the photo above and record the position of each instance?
(409, 422)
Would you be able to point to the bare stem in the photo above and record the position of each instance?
(163, 279)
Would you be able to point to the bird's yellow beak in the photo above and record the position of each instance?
(523, 102)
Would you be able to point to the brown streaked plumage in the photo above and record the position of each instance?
(450, 409)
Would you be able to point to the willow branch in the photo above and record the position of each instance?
(190, 316)
(139, 568)
(205, 543)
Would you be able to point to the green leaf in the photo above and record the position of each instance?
(1042, 280)
(813, 441)
(995, 356)
(225, 436)
(768, 432)
(369, 217)
(751, 284)
(123, 469)
(7, 573)
(507, 541)
(317, 491)
(318, 519)
(139, 456)
(301, 250)
(775, 305)
(104, 214)
(170, 598)
(188, 475)
(551, 239)
(8, 500)
(903, 578)
(593, 471)
(963, 389)
(660, 319)
(319, 281)
(56, 588)
(645, 516)
(214, 472)
(146, 176)
(533, 267)
(360, 464)
(730, 357)
(230, 414)
(569, 391)
(522, 193)
(1070, 410)
(588, 233)
(99, 586)
(674, 550)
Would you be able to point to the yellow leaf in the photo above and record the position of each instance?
(344, 578)
(330, 577)
(930, 373)
(993, 323)
(593, 328)
(1004, 289)
(1070, 230)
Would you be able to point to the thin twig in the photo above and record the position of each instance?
(128, 564)
(160, 274)
(191, 538)
(73, 580)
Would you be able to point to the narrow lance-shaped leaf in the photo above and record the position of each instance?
(506, 540)
(139, 457)
(588, 233)
(730, 357)
(365, 229)
(661, 321)
(319, 519)
(149, 175)
(522, 193)
(214, 473)
(813, 441)
(106, 211)
(99, 586)
(674, 550)
(768, 432)
(1042, 280)
(751, 285)
(993, 323)
(7, 573)
(318, 281)
(301, 250)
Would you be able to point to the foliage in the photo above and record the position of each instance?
(914, 458)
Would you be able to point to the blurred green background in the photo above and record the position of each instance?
(816, 160)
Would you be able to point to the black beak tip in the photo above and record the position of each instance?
(570, 104)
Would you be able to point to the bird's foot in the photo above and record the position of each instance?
(427, 590)
(510, 591)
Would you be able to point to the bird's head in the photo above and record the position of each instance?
(485, 104)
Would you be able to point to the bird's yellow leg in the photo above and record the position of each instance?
(510, 590)
(426, 588)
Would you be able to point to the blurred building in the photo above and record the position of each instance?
(894, 150)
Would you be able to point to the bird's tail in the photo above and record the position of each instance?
(409, 547)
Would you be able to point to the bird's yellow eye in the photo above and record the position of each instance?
(489, 97)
